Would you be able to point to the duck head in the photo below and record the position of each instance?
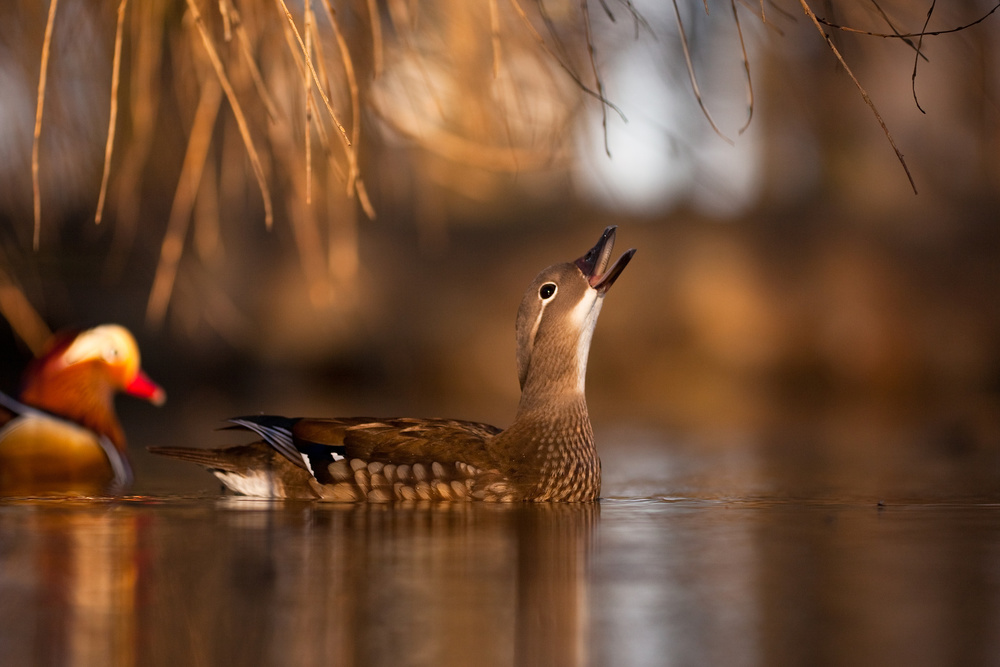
(556, 319)
(78, 376)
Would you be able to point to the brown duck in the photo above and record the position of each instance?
(547, 453)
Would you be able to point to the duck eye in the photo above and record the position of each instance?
(112, 354)
(547, 290)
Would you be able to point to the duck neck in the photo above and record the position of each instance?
(550, 446)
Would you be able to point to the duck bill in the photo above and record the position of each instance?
(594, 264)
(143, 387)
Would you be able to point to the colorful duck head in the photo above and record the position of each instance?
(79, 374)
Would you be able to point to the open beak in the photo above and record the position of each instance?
(143, 387)
(594, 264)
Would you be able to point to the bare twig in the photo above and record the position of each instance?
(585, 11)
(746, 69)
(911, 35)
(694, 78)
(109, 146)
(864, 94)
(916, 58)
(35, 188)
(312, 71)
(245, 48)
(23, 319)
(376, 38)
(352, 86)
(180, 210)
(495, 36)
(565, 67)
(888, 22)
(234, 104)
(307, 107)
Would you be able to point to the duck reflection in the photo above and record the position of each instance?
(69, 584)
(403, 584)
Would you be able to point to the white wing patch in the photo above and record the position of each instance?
(258, 483)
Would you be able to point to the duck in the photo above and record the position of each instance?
(546, 454)
(61, 436)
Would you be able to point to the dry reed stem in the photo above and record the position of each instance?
(227, 21)
(592, 53)
(307, 107)
(180, 210)
(305, 231)
(315, 77)
(43, 75)
(909, 35)
(352, 86)
(694, 78)
(234, 104)
(892, 26)
(113, 119)
(495, 36)
(207, 235)
(376, 38)
(565, 67)
(246, 49)
(864, 94)
(147, 54)
(366, 203)
(746, 69)
(916, 58)
(23, 319)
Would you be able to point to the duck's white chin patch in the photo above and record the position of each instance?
(584, 316)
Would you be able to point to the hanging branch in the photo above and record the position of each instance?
(35, 188)
(495, 36)
(112, 121)
(597, 74)
(376, 20)
(905, 36)
(565, 67)
(746, 69)
(916, 58)
(694, 78)
(236, 20)
(234, 103)
(312, 71)
(352, 86)
(864, 94)
(180, 210)
(906, 40)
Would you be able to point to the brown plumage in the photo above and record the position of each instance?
(547, 453)
(62, 436)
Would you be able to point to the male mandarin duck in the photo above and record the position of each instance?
(63, 436)
(546, 454)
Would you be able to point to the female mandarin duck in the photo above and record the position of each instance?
(547, 453)
(63, 437)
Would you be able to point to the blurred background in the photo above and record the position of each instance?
(350, 232)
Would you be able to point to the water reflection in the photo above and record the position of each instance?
(250, 582)
(696, 580)
(69, 584)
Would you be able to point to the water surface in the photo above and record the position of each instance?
(696, 556)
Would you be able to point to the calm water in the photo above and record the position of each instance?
(725, 553)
